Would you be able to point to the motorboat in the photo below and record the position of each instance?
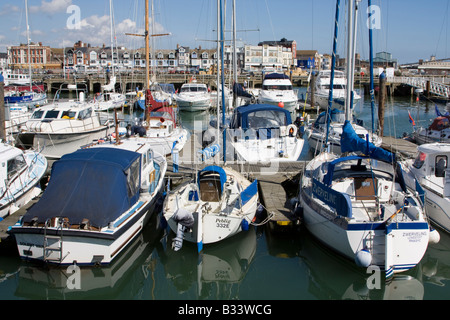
(97, 201)
(21, 175)
(63, 126)
(316, 132)
(217, 204)
(359, 205)
(277, 90)
(437, 131)
(262, 133)
(430, 169)
(322, 89)
(193, 96)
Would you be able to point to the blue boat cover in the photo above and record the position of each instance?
(90, 184)
(239, 91)
(338, 200)
(240, 117)
(217, 169)
(276, 76)
(350, 142)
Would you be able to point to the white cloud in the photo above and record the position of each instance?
(8, 9)
(52, 6)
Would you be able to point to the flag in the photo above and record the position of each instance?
(438, 113)
(411, 119)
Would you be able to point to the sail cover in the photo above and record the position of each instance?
(98, 184)
(351, 142)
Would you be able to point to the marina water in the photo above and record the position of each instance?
(259, 264)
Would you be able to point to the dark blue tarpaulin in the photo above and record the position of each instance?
(88, 184)
(240, 118)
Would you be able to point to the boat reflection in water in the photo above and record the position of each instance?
(221, 268)
(332, 277)
(120, 280)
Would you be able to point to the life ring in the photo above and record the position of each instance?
(292, 130)
(139, 94)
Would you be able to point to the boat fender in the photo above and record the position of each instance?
(434, 236)
(292, 130)
(363, 258)
(244, 225)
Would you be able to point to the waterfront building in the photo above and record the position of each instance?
(38, 55)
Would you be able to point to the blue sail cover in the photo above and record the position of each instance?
(90, 184)
(239, 91)
(350, 142)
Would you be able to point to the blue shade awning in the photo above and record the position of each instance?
(94, 184)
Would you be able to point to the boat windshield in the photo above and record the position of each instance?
(277, 87)
(335, 86)
(420, 160)
(193, 89)
(37, 114)
(266, 119)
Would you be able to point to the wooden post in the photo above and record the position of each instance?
(313, 89)
(2, 109)
(381, 102)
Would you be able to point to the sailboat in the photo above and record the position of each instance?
(109, 99)
(22, 100)
(217, 203)
(358, 203)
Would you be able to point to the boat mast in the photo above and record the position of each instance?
(112, 37)
(217, 70)
(350, 58)
(333, 63)
(223, 82)
(235, 77)
(28, 44)
(372, 91)
(147, 60)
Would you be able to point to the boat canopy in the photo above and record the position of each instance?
(98, 184)
(260, 116)
(272, 76)
(440, 123)
(215, 169)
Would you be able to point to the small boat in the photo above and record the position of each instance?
(109, 99)
(219, 203)
(430, 169)
(316, 132)
(193, 96)
(438, 131)
(97, 201)
(21, 174)
(24, 99)
(160, 129)
(360, 206)
(322, 89)
(263, 132)
(63, 127)
(277, 90)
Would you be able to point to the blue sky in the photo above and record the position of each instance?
(410, 30)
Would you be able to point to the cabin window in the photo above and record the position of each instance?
(51, 114)
(440, 166)
(68, 114)
(86, 113)
(420, 160)
(37, 114)
(133, 178)
(16, 165)
(266, 119)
